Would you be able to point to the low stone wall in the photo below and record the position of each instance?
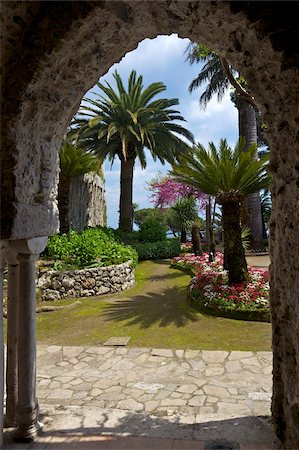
(85, 282)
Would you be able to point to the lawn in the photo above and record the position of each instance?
(155, 313)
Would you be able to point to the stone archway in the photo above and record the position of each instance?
(54, 52)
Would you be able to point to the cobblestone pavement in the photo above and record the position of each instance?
(96, 397)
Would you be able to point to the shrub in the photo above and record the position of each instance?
(94, 246)
(158, 250)
(152, 230)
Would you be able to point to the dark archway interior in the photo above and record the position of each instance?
(53, 52)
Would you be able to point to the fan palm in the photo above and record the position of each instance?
(74, 161)
(123, 124)
(219, 76)
(229, 175)
(186, 214)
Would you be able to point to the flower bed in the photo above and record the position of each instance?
(210, 290)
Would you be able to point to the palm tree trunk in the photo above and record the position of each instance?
(196, 243)
(126, 195)
(183, 236)
(251, 216)
(233, 248)
(64, 189)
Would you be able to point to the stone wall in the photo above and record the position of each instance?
(85, 282)
(87, 202)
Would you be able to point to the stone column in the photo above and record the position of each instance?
(12, 338)
(2, 264)
(27, 409)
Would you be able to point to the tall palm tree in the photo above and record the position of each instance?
(123, 124)
(74, 161)
(220, 75)
(229, 175)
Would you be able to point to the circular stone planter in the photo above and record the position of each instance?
(238, 314)
(88, 282)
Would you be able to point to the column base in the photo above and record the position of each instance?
(9, 422)
(27, 433)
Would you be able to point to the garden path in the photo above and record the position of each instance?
(135, 398)
(155, 313)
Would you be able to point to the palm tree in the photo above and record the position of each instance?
(123, 124)
(229, 175)
(74, 161)
(186, 214)
(220, 75)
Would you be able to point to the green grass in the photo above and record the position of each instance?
(155, 313)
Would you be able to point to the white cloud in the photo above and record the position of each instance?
(159, 52)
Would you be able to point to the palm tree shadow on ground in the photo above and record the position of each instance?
(168, 307)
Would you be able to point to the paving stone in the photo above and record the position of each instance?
(175, 395)
(110, 363)
(260, 396)
(141, 358)
(42, 393)
(165, 353)
(232, 391)
(171, 387)
(76, 381)
(239, 355)
(233, 366)
(71, 352)
(136, 393)
(214, 357)
(112, 396)
(187, 388)
(82, 387)
(61, 394)
(149, 387)
(151, 405)
(250, 361)
(73, 361)
(95, 392)
(212, 399)
(267, 370)
(62, 364)
(190, 354)
(121, 351)
(54, 348)
(103, 383)
(145, 397)
(162, 394)
(114, 389)
(180, 353)
(130, 404)
(80, 366)
(213, 371)
(252, 369)
(197, 401)
(173, 402)
(54, 385)
(44, 382)
(216, 391)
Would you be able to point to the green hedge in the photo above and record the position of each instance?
(92, 247)
(158, 250)
(152, 230)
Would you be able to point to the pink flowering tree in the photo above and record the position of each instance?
(182, 198)
(166, 192)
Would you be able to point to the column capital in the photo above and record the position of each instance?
(21, 257)
(33, 246)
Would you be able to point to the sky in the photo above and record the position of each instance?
(162, 59)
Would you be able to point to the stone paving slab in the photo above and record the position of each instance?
(212, 384)
(155, 393)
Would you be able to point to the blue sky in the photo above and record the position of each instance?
(163, 59)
